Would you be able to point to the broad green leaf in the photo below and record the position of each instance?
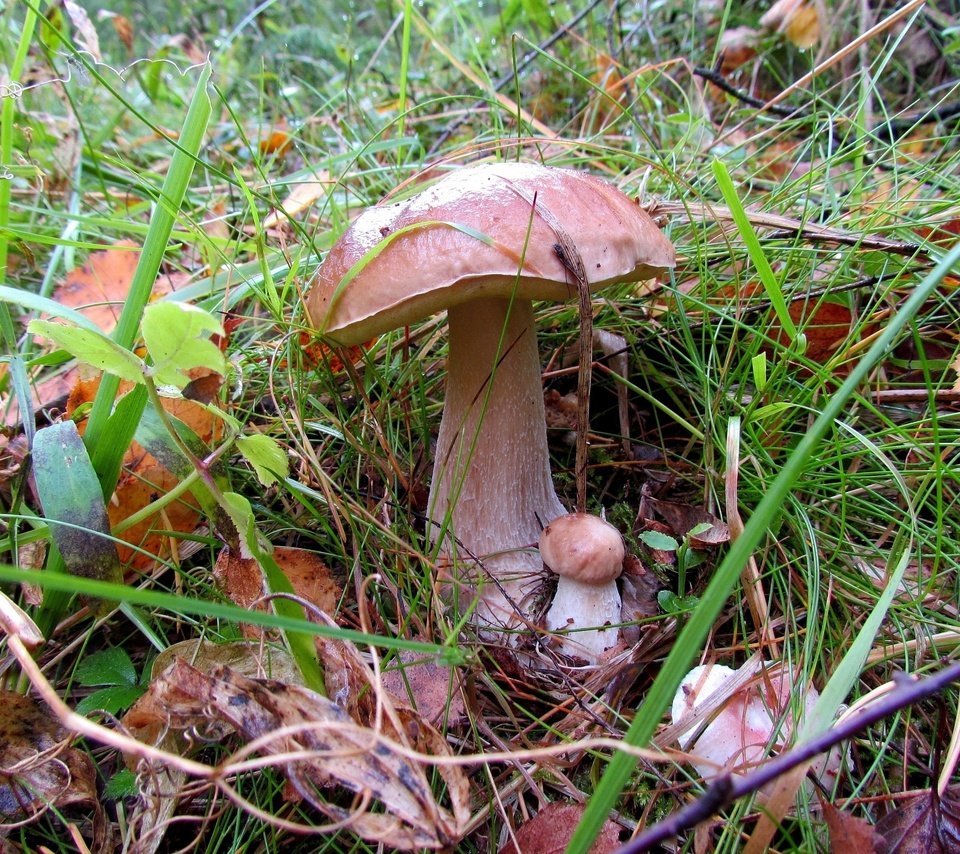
(266, 456)
(73, 504)
(92, 348)
(113, 699)
(110, 666)
(659, 540)
(177, 336)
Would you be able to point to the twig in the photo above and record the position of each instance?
(726, 788)
(886, 131)
(721, 82)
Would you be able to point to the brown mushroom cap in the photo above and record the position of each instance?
(464, 237)
(583, 547)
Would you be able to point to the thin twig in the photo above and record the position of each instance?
(726, 788)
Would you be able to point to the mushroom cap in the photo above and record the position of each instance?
(583, 547)
(465, 237)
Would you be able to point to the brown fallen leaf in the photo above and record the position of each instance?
(432, 689)
(736, 47)
(332, 750)
(151, 721)
(928, 823)
(99, 288)
(241, 579)
(550, 830)
(798, 20)
(848, 833)
(39, 771)
(684, 517)
(826, 326)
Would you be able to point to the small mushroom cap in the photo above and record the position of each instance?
(465, 237)
(583, 547)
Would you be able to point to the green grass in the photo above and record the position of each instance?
(848, 472)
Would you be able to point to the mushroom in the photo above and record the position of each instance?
(483, 242)
(738, 736)
(587, 553)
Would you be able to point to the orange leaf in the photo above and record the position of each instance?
(550, 830)
(143, 480)
(241, 579)
(99, 288)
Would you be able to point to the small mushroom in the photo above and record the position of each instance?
(587, 553)
(738, 737)
(483, 242)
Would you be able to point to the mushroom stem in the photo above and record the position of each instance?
(492, 492)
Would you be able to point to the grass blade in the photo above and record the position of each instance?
(696, 629)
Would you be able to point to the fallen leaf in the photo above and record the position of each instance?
(100, 287)
(39, 771)
(826, 326)
(848, 834)
(143, 479)
(85, 34)
(736, 47)
(639, 588)
(301, 197)
(685, 517)
(432, 689)
(550, 831)
(798, 20)
(332, 750)
(925, 824)
(121, 26)
(241, 579)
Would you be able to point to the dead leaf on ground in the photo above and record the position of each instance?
(40, 771)
(798, 20)
(432, 689)
(550, 830)
(683, 518)
(241, 579)
(143, 479)
(736, 47)
(639, 597)
(848, 834)
(826, 326)
(151, 721)
(302, 195)
(100, 287)
(926, 824)
(342, 753)
(98, 291)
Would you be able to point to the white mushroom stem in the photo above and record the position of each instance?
(577, 604)
(492, 488)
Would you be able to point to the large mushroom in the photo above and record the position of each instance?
(483, 242)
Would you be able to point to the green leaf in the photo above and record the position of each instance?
(177, 336)
(121, 785)
(658, 540)
(266, 456)
(113, 699)
(92, 348)
(71, 499)
(107, 667)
